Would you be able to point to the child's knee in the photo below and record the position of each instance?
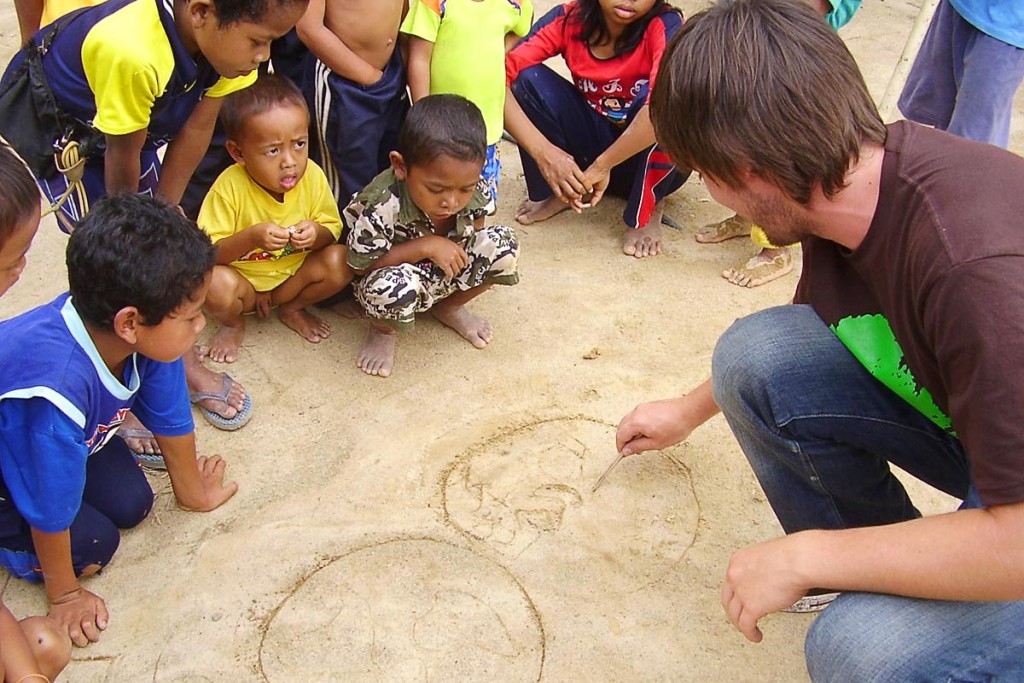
(50, 644)
(226, 287)
(336, 259)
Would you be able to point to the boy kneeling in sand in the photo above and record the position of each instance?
(273, 219)
(138, 273)
(416, 233)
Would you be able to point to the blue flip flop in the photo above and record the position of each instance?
(240, 419)
(153, 461)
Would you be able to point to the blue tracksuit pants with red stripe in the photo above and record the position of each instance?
(559, 112)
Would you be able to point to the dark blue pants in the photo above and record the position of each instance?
(563, 116)
(357, 125)
(116, 496)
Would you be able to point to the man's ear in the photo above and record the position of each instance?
(127, 322)
(235, 151)
(398, 163)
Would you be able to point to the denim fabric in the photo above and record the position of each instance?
(820, 433)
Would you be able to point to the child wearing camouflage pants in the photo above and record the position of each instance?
(416, 233)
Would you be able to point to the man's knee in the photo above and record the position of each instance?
(748, 356)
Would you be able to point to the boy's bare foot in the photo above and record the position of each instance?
(201, 378)
(132, 431)
(473, 329)
(535, 212)
(377, 356)
(733, 226)
(643, 242)
(348, 308)
(225, 344)
(767, 265)
(307, 325)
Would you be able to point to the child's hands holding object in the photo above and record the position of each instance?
(303, 235)
(271, 236)
(447, 255)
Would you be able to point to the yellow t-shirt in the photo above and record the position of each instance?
(236, 202)
(469, 49)
(128, 61)
(55, 9)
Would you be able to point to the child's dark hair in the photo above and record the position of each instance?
(133, 250)
(267, 92)
(252, 11)
(443, 125)
(19, 195)
(588, 14)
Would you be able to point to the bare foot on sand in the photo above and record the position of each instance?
(473, 329)
(643, 242)
(307, 325)
(136, 436)
(225, 344)
(768, 265)
(535, 212)
(733, 226)
(377, 356)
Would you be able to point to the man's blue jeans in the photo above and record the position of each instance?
(820, 433)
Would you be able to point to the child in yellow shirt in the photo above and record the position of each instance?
(273, 219)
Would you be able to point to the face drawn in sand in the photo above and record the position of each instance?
(406, 610)
(526, 493)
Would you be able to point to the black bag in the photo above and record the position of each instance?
(30, 119)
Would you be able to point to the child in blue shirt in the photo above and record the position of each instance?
(32, 648)
(138, 273)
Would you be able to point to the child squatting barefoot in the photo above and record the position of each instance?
(273, 219)
(416, 234)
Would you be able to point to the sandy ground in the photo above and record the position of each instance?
(439, 525)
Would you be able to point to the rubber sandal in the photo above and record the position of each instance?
(727, 229)
(240, 419)
(152, 461)
(811, 603)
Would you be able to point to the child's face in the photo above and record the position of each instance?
(274, 148)
(440, 188)
(624, 12)
(174, 335)
(238, 48)
(12, 253)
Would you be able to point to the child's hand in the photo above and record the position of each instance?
(82, 614)
(303, 235)
(271, 236)
(214, 491)
(263, 304)
(449, 256)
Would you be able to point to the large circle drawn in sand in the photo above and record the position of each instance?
(526, 492)
(405, 610)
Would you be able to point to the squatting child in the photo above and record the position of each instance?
(459, 48)
(416, 234)
(138, 273)
(133, 76)
(32, 649)
(273, 219)
(355, 87)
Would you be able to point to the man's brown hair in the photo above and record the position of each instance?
(766, 86)
(269, 91)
